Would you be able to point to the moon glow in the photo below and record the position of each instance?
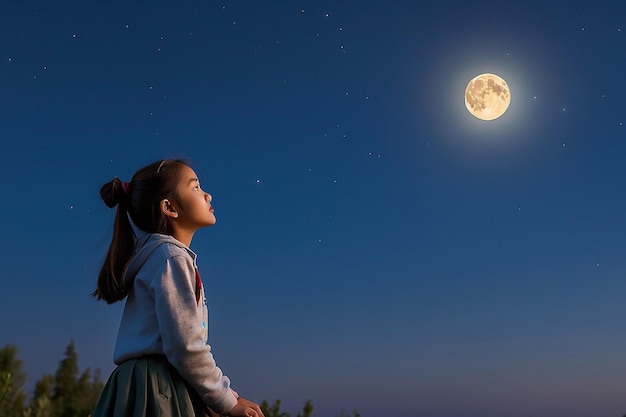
(487, 96)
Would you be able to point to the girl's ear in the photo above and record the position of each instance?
(168, 209)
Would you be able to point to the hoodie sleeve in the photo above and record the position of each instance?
(179, 318)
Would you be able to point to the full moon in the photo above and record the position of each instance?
(487, 96)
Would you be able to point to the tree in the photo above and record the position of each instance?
(72, 395)
(69, 393)
(86, 392)
(40, 404)
(45, 386)
(12, 380)
(272, 411)
(65, 377)
(343, 413)
(66, 394)
(307, 409)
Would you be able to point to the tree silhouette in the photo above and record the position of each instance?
(40, 404)
(307, 409)
(73, 395)
(66, 394)
(12, 380)
(273, 410)
(343, 413)
(69, 393)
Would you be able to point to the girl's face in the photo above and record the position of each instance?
(195, 205)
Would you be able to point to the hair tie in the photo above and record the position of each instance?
(125, 187)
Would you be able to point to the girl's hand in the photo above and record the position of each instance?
(245, 408)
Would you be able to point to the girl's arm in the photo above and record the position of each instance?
(184, 339)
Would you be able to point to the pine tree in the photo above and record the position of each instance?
(343, 413)
(65, 377)
(273, 410)
(12, 379)
(86, 393)
(45, 386)
(307, 409)
(40, 404)
(65, 382)
(67, 394)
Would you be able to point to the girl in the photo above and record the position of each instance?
(165, 367)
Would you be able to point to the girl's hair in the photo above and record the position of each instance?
(141, 200)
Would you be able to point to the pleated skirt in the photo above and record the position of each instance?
(149, 386)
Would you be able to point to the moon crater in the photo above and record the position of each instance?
(487, 96)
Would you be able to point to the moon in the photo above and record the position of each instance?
(487, 96)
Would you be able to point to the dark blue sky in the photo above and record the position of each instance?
(377, 247)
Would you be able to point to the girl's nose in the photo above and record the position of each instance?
(209, 197)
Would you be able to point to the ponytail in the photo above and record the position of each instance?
(111, 286)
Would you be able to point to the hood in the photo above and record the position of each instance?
(145, 245)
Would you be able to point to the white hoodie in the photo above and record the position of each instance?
(166, 313)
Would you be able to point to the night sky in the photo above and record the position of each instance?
(377, 247)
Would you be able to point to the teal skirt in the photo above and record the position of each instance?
(148, 386)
